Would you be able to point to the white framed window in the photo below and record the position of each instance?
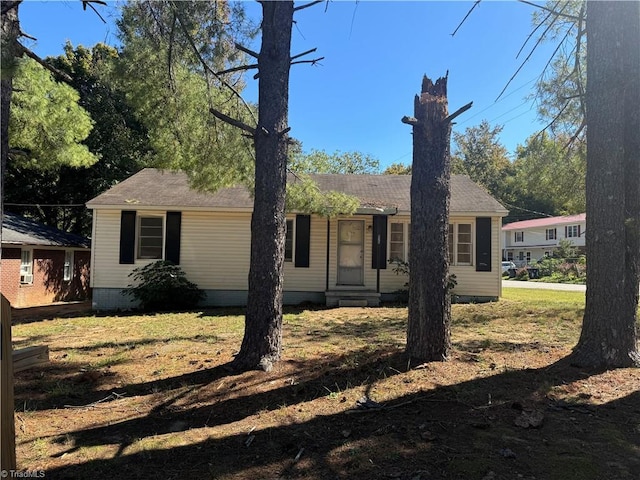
(573, 231)
(68, 265)
(397, 242)
(460, 244)
(548, 254)
(510, 256)
(288, 242)
(518, 236)
(26, 267)
(528, 257)
(551, 234)
(520, 256)
(150, 237)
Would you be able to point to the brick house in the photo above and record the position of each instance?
(42, 265)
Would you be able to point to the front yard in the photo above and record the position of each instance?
(149, 396)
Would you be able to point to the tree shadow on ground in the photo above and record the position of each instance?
(465, 430)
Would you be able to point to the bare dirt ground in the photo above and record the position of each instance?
(151, 396)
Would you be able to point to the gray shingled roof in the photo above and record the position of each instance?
(18, 230)
(157, 188)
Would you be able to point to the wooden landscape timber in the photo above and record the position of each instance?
(28, 357)
(7, 426)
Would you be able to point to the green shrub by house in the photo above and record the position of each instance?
(162, 286)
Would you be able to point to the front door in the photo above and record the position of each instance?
(350, 252)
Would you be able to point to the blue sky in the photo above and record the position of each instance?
(376, 53)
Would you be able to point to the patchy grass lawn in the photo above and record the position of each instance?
(148, 396)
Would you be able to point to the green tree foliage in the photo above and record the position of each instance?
(319, 161)
(117, 139)
(47, 125)
(560, 91)
(171, 51)
(397, 169)
(304, 195)
(549, 176)
(480, 155)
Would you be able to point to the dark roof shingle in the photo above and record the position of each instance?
(158, 188)
(18, 230)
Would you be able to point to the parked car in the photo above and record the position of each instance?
(506, 266)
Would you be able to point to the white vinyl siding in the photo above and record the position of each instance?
(215, 253)
(470, 282)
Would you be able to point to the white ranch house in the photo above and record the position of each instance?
(156, 215)
(530, 240)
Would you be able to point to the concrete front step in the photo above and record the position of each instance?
(352, 298)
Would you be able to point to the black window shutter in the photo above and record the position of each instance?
(127, 236)
(303, 240)
(483, 244)
(172, 240)
(379, 252)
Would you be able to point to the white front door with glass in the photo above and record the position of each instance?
(351, 252)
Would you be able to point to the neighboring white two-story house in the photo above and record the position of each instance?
(531, 240)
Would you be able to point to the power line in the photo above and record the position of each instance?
(526, 209)
(491, 105)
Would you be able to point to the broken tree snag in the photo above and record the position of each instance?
(428, 328)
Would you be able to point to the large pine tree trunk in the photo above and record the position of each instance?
(609, 337)
(428, 329)
(262, 343)
(10, 31)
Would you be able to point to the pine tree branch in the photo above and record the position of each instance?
(249, 52)
(559, 14)
(207, 68)
(465, 17)
(576, 135)
(577, 64)
(59, 74)
(232, 121)
(312, 62)
(553, 55)
(303, 54)
(537, 44)
(460, 111)
(26, 35)
(307, 5)
(90, 3)
(240, 68)
(564, 107)
(532, 33)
